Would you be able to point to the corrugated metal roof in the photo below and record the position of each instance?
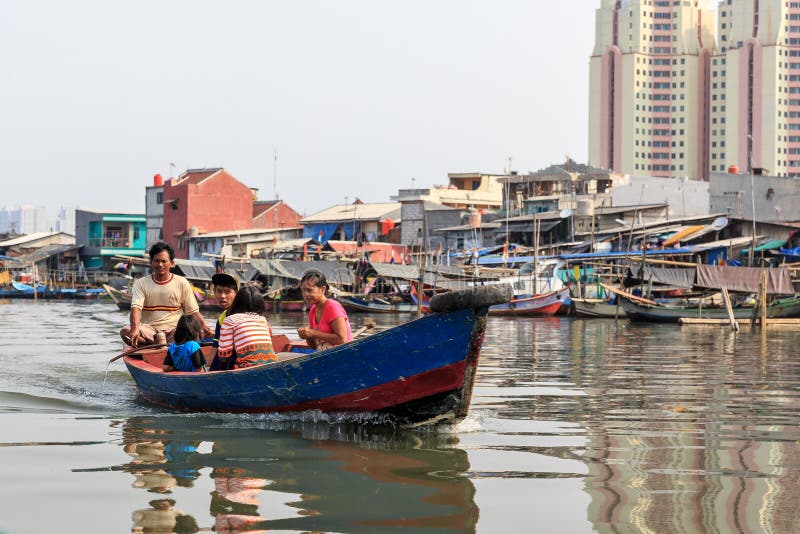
(393, 270)
(30, 237)
(724, 243)
(46, 252)
(467, 227)
(238, 233)
(359, 212)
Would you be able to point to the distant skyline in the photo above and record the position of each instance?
(359, 98)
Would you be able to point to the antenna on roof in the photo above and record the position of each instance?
(275, 174)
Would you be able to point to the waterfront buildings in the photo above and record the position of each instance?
(202, 201)
(357, 221)
(103, 235)
(464, 190)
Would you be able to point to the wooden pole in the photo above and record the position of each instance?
(729, 308)
(33, 279)
(764, 299)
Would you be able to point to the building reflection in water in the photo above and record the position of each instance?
(687, 429)
(336, 477)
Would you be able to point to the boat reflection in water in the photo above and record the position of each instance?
(278, 474)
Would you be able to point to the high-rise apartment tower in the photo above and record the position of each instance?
(755, 87)
(650, 82)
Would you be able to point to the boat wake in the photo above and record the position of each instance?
(14, 402)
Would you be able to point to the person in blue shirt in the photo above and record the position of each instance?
(185, 353)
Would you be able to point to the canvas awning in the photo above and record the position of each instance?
(772, 244)
(745, 279)
(682, 234)
(335, 272)
(202, 271)
(393, 270)
(528, 226)
(671, 276)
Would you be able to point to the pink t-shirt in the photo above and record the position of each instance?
(332, 310)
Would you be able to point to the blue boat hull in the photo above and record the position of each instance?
(419, 371)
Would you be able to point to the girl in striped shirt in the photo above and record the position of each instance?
(245, 336)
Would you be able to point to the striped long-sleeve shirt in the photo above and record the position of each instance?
(247, 337)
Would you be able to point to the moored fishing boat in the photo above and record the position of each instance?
(419, 372)
(601, 308)
(640, 310)
(375, 304)
(121, 298)
(18, 290)
(543, 305)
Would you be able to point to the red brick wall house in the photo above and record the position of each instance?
(274, 214)
(205, 200)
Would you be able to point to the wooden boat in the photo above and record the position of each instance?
(84, 293)
(18, 290)
(544, 305)
(639, 310)
(375, 304)
(586, 307)
(121, 298)
(419, 372)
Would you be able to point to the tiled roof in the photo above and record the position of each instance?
(349, 212)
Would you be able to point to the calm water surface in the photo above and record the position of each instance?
(575, 426)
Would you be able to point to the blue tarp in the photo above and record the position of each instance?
(321, 232)
(349, 232)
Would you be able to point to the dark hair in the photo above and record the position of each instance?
(189, 329)
(316, 278)
(248, 300)
(161, 247)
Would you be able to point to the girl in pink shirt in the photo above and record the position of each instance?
(328, 324)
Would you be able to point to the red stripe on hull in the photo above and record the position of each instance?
(372, 399)
(544, 311)
(388, 395)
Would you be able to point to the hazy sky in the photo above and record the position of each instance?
(359, 97)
